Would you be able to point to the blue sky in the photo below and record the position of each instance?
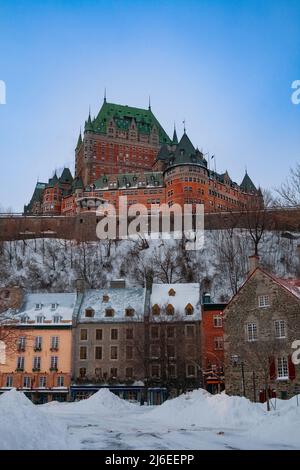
(224, 66)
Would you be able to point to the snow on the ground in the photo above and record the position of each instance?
(196, 420)
(24, 426)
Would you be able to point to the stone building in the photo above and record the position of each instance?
(261, 322)
(173, 346)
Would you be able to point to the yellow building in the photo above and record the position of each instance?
(40, 362)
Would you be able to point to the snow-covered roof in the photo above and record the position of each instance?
(99, 300)
(52, 307)
(292, 285)
(185, 294)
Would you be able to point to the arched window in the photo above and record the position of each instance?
(171, 292)
(105, 298)
(170, 309)
(155, 310)
(189, 309)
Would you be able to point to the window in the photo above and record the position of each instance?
(280, 329)
(6, 294)
(20, 362)
(114, 372)
(129, 312)
(109, 312)
(99, 335)
(263, 300)
(40, 319)
(129, 352)
(190, 350)
(218, 343)
(190, 331)
(171, 351)
(98, 352)
(56, 319)
(21, 343)
(36, 363)
(38, 343)
(170, 309)
(218, 321)
(189, 309)
(54, 306)
(9, 381)
(129, 372)
(38, 306)
(83, 335)
(26, 382)
(155, 310)
(83, 352)
(172, 370)
(42, 381)
(282, 368)
(105, 298)
(251, 332)
(89, 313)
(129, 333)
(170, 332)
(54, 363)
(114, 334)
(171, 293)
(154, 332)
(54, 343)
(60, 381)
(155, 370)
(190, 370)
(98, 372)
(82, 371)
(114, 352)
(154, 351)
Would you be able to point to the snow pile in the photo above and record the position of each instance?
(24, 427)
(102, 402)
(282, 425)
(199, 408)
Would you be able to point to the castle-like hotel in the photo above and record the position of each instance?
(125, 151)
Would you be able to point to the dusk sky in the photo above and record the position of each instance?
(226, 67)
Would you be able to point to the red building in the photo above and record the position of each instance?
(212, 341)
(126, 152)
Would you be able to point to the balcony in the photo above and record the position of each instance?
(53, 369)
(36, 369)
(37, 348)
(19, 369)
(54, 348)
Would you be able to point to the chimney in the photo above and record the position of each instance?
(118, 284)
(80, 285)
(149, 280)
(253, 263)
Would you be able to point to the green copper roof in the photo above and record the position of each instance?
(36, 197)
(247, 184)
(52, 181)
(175, 139)
(123, 115)
(130, 180)
(66, 176)
(77, 183)
(79, 142)
(88, 127)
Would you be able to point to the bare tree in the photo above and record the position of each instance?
(289, 191)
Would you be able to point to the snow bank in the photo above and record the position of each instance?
(24, 427)
(104, 401)
(199, 408)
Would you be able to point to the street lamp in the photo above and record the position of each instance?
(237, 361)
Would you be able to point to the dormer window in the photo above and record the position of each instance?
(170, 309)
(189, 309)
(54, 306)
(155, 310)
(56, 319)
(38, 306)
(105, 298)
(109, 312)
(89, 313)
(129, 312)
(171, 292)
(24, 319)
(40, 319)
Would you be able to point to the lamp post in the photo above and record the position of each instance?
(237, 361)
